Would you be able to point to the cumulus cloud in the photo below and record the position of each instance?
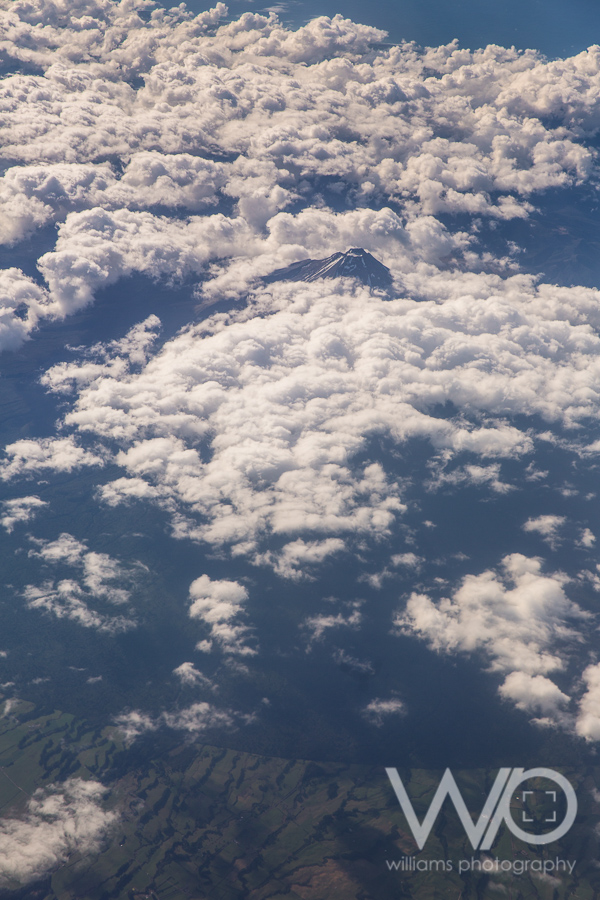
(32, 457)
(535, 693)
(295, 559)
(23, 303)
(518, 618)
(288, 391)
(199, 717)
(469, 475)
(587, 538)
(548, 526)
(219, 605)
(209, 151)
(588, 720)
(408, 561)
(61, 820)
(189, 147)
(21, 509)
(190, 676)
(134, 723)
(194, 719)
(379, 709)
(159, 141)
(319, 625)
(98, 580)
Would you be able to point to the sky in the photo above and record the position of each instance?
(555, 27)
(300, 499)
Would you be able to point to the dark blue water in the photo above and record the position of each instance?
(555, 27)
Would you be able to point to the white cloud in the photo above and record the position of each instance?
(588, 538)
(519, 619)
(407, 560)
(23, 304)
(548, 526)
(377, 710)
(220, 606)
(287, 392)
(60, 821)
(410, 560)
(97, 247)
(588, 720)
(66, 600)
(177, 146)
(134, 723)
(359, 666)
(195, 718)
(98, 578)
(190, 676)
(470, 475)
(534, 693)
(199, 717)
(295, 559)
(319, 625)
(191, 113)
(31, 457)
(21, 509)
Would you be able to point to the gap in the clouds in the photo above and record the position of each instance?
(562, 242)
(555, 27)
(9, 66)
(25, 254)
(333, 192)
(558, 241)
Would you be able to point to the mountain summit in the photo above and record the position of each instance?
(355, 263)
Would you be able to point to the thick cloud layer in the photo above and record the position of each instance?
(246, 426)
(121, 111)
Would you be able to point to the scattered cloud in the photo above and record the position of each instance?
(21, 509)
(378, 710)
(191, 147)
(587, 538)
(548, 526)
(320, 625)
(174, 144)
(98, 580)
(28, 458)
(358, 666)
(588, 720)
(518, 619)
(288, 391)
(535, 694)
(194, 719)
(60, 821)
(192, 677)
(219, 605)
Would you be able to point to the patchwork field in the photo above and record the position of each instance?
(205, 822)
